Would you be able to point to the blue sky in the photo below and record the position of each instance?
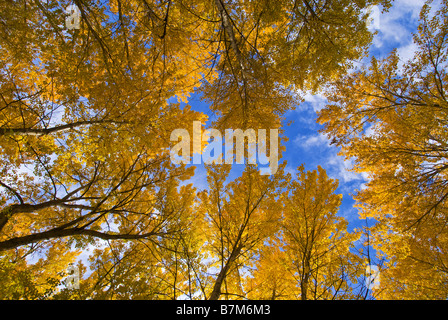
(306, 145)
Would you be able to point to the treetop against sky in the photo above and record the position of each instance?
(120, 122)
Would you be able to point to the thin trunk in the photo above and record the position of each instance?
(216, 293)
(227, 25)
(304, 284)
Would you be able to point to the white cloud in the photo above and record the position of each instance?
(339, 168)
(349, 213)
(291, 170)
(317, 101)
(313, 141)
(395, 25)
(407, 52)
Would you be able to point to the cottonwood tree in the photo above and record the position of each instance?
(310, 256)
(391, 117)
(84, 129)
(240, 215)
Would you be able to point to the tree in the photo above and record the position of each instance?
(84, 127)
(240, 215)
(267, 51)
(72, 100)
(309, 257)
(392, 121)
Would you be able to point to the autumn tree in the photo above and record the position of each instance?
(268, 50)
(391, 117)
(239, 216)
(309, 257)
(84, 132)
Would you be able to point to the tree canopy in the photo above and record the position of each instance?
(86, 116)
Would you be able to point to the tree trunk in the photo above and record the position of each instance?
(216, 293)
(306, 276)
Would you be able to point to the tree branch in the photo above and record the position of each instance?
(47, 131)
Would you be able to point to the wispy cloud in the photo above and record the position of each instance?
(317, 101)
(395, 25)
(340, 168)
(314, 141)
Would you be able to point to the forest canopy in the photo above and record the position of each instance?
(90, 97)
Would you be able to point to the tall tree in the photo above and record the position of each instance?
(240, 214)
(76, 103)
(84, 125)
(310, 256)
(393, 121)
